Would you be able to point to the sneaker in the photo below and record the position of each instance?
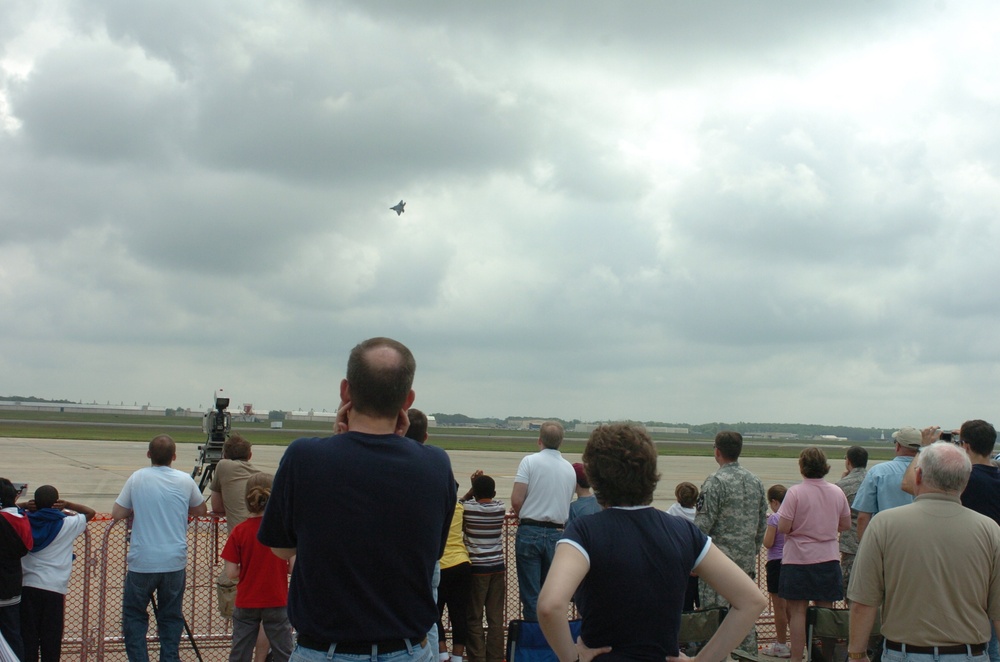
(776, 650)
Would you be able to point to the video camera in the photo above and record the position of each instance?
(216, 423)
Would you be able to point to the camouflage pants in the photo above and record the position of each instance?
(846, 563)
(709, 598)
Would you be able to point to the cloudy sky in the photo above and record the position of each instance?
(671, 211)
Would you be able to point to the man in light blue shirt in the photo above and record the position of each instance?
(159, 499)
(881, 489)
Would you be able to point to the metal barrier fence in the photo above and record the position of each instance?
(94, 601)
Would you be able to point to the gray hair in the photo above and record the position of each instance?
(945, 467)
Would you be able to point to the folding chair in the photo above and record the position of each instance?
(827, 632)
(697, 627)
(526, 643)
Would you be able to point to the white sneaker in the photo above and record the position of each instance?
(776, 650)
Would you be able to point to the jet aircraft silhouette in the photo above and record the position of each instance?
(398, 208)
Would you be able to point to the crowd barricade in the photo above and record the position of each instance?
(94, 602)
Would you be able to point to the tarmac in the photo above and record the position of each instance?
(93, 472)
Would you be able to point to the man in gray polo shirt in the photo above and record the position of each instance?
(543, 488)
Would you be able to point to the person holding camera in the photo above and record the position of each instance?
(364, 556)
(881, 488)
(932, 566)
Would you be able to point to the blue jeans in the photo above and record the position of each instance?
(414, 654)
(432, 635)
(139, 588)
(993, 649)
(10, 627)
(534, 548)
(898, 656)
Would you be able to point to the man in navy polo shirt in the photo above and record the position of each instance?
(364, 556)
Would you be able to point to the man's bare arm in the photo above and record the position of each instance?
(862, 622)
(863, 519)
(517, 497)
(120, 512)
(218, 505)
(285, 553)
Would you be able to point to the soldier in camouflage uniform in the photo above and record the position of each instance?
(857, 463)
(732, 509)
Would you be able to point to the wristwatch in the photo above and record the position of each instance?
(863, 655)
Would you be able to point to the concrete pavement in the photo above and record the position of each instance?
(93, 472)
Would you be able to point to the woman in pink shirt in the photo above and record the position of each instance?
(811, 516)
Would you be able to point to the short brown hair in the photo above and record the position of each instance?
(686, 494)
(236, 447)
(776, 493)
(730, 444)
(620, 460)
(812, 463)
(380, 387)
(162, 450)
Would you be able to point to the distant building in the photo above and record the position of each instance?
(587, 428)
(73, 408)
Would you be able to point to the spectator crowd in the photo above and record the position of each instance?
(362, 541)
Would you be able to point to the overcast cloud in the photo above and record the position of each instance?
(684, 212)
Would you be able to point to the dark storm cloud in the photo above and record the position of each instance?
(659, 211)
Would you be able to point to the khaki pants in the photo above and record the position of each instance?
(489, 593)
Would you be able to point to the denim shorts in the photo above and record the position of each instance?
(813, 581)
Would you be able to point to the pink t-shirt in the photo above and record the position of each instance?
(818, 510)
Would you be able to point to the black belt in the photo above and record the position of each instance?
(387, 646)
(546, 525)
(957, 649)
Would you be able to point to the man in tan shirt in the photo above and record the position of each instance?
(933, 566)
(229, 482)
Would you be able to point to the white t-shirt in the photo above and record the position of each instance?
(160, 498)
(551, 484)
(49, 569)
(678, 510)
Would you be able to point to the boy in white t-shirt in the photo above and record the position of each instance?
(55, 525)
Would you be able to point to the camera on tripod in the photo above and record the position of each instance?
(216, 423)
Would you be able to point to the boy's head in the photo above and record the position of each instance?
(686, 494)
(8, 493)
(483, 487)
(46, 496)
(418, 425)
(776, 493)
(581, 475)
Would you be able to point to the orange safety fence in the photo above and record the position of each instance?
(94, 602)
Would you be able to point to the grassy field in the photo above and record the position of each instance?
(121, 427)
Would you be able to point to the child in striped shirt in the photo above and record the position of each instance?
(483, 525)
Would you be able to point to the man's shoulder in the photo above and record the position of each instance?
(227, 467)
(735, 472)
(852, 479)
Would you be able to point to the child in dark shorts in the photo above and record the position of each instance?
(775, 543)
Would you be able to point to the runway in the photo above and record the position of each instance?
(93, 472)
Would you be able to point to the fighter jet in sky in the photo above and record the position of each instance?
(398, 208)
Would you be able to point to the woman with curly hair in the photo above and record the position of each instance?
(628, 565)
